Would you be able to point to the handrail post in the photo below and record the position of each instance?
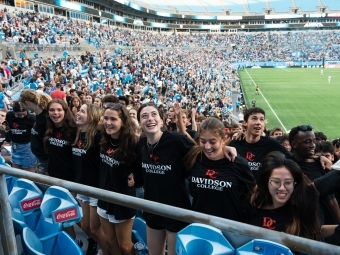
(8, 241)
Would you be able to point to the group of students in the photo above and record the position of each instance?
(102, 148)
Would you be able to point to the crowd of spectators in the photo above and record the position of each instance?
(174, 72)
(152, 70)
(37, 28)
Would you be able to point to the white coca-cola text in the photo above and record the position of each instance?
(31, 204)
(66, 215)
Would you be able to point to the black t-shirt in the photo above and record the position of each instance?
(164, 172)
(114, 177)
(328, 183)
(60, 154)
(220, 187)
(37, 136)
(273, 219)
(86, 162)
(256, 152)
(20, 128)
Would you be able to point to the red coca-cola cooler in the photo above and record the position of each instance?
(25, 197)
(59, 206)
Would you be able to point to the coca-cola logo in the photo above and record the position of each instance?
(66, 215)
(31, 204)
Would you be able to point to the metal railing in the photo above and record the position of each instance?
(226, 226)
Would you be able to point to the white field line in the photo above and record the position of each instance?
(285, 70)
(267, 102)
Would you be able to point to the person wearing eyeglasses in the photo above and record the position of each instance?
(283, 199)
(302, 141)
(20, 123)
(118, 165)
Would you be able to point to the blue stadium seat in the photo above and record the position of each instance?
(280, 6)
(43, 230)
(307, 6)
(263, 247)
(10, 180)
(201, 239)
(331, 4)
(61, 244)
(59, 206)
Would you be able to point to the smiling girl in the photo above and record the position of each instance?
(117, 170)
(284, 200)
(214, 176)
(85, 151)
(60, 133)
(164, 178)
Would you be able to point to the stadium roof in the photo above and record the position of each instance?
(236, 6)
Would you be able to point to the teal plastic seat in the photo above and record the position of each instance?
(200, 239)
(60, 244)
(59, 206)
(263, 247)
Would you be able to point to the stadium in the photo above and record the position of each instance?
(273, 62)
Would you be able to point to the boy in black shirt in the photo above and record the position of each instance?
(255, 146)
(302, 140)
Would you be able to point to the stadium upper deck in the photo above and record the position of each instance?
(202, 15)
(213, 7)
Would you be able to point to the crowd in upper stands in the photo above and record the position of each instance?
(37, 28)
(197, 78)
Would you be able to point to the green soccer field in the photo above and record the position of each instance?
(296, 96)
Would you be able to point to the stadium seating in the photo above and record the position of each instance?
(59, 206)
(307, 6)
(201, 239)
(60, 244)
(331, 4)
(263, 247)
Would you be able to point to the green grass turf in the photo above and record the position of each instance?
(297, 96)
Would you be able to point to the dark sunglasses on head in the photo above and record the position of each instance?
(306, 127)
(115, 106)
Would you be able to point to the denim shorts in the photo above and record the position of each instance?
(92, 201)
(22, 155)
(111, 218)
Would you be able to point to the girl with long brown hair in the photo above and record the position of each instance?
(212, 175)
(60, 133)
(118, 165)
